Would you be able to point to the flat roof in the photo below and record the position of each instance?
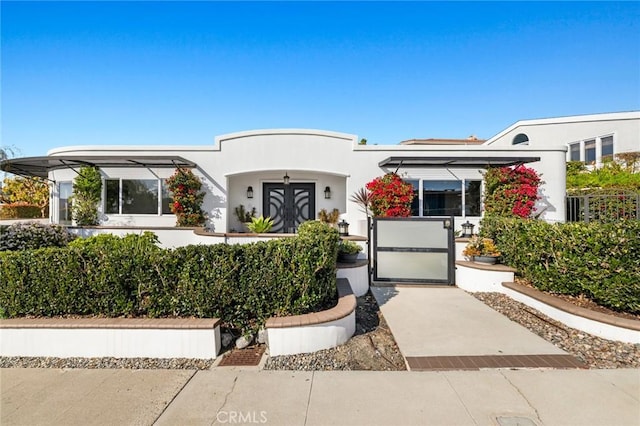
(455, 161)
(41, 166)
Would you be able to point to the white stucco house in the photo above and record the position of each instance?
(591, 139)
(323, 169)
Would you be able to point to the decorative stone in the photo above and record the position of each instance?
(226, 339)
(243, 341)
(262, 336)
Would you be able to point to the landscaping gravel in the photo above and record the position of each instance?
(371, 348)
(130, 363)
(374, 348)
(594, 351)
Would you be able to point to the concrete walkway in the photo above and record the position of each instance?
(446, 321)
(226, 395)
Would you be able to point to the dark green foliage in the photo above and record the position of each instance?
(26, 236)
(20, 211)
(87, 190)
(598, 260)
(131, 276)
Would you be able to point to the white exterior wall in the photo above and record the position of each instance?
(557, 132)
(239, 160)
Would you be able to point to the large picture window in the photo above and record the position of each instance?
(447, 197)
(137, 196)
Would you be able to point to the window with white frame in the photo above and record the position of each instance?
(446, 197)
(574, 151)
(137, 196)
(606, 147)
(65, 189)
(593, 150)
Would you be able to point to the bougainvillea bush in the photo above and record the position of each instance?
(511, 191)
(390, 196)
(187, 198)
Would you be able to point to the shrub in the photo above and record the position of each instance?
(33, 235)
(19, 211)
(113, 276)
(187, 198)
(390, 196)
(87, 191)
(598, 260)
(510, 191)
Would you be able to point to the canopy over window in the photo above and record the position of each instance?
(455, 161)
(41, 166)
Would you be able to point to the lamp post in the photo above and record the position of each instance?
(467, 229)
(343, 228)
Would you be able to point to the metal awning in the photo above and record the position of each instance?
(455, 161)
(41, 166)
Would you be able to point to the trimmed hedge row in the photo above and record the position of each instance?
(598, 260)
(131, 276)
(33, 235)
(20, 211)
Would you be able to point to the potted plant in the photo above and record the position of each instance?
(482, 250)
(348, 251)
(260, 225)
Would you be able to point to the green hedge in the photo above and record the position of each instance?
(20, 211)
(131, 276)
(598, 260)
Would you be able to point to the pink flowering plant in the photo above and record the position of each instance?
(390, 196)
(511, 191)
(187, 198)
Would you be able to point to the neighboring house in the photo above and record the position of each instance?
(591, 139)
(323, 170)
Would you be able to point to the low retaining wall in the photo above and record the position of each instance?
(110, 337)
(473, 276)
(357, 274)
(316, 331)
(596, 323)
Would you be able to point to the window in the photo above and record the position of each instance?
(167, 197)
(415, 204)
(472, 197)
(112, 201)
(607, 147)
(64, 206)
(137, 196)
(574, 151)
(590, 151)
(520, 139)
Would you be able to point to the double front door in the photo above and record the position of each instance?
(289, 205)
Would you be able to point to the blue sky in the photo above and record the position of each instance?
(181, 73)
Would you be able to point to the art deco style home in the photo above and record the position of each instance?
(290, 175)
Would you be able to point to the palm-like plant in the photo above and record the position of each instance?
(362, 197)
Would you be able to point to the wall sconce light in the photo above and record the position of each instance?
(286, 179)
(327, 193)
(343, 228)
(467, 229)
(250, 192)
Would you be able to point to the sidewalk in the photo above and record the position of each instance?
(226, 395)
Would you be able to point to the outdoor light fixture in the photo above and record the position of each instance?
(467, 229)
(286, 179)
(343, 228)
(327, 193)
(250, 192)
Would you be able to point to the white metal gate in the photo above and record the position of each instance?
(413, 250)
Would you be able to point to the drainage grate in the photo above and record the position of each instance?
(243, 357)
(443, 363)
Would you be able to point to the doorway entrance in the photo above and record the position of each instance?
(289, 205)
